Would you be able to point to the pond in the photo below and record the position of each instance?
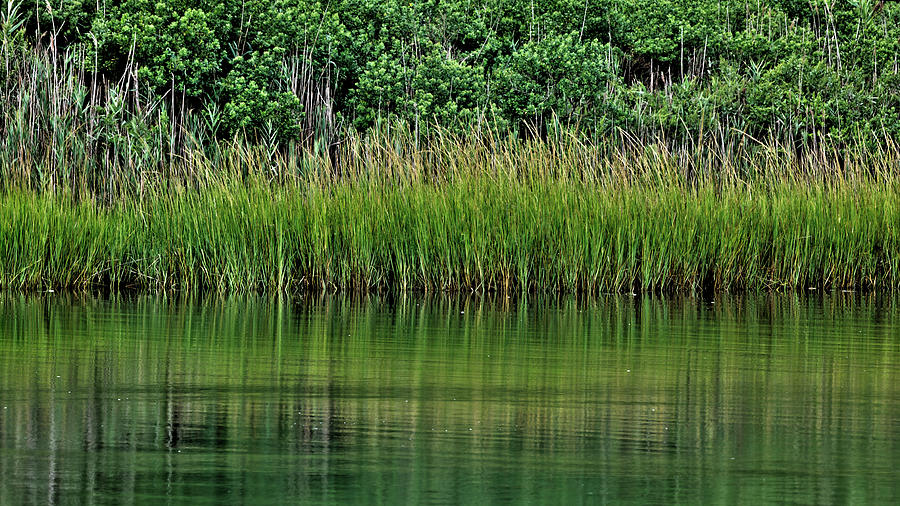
(401, 399)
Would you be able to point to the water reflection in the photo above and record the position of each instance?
(415, 400)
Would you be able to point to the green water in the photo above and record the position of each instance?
(411, 400)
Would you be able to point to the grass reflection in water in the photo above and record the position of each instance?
(405, 399)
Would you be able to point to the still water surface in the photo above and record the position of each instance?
(405, 400)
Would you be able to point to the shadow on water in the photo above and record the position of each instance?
(403, 399)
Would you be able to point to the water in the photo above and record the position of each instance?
(406, 400)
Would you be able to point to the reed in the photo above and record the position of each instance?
(496, 214)
(103, 186)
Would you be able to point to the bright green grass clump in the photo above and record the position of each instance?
(488, 232)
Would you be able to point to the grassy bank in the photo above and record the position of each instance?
(728, 147)
(506, 216)
(105, 186)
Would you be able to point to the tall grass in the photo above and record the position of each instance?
(537, 216)
(103, 185)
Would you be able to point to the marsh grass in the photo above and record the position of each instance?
(490, 215)
(103, 186)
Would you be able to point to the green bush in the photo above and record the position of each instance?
(558, 76)
(177, 43)
(795, 69)
(257, 96)
(427, 89)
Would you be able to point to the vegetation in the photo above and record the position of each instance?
(486, 145)
(504, 215)
(141, 79)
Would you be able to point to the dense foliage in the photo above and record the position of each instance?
(786, 70)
